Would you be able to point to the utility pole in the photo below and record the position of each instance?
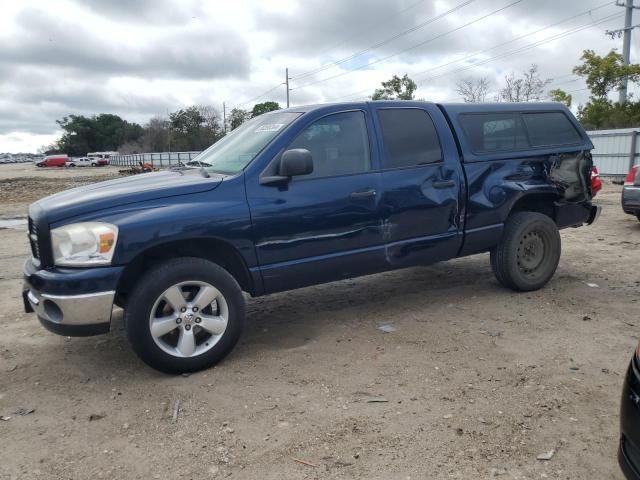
(286, 82)
(626, 43)
(626, 47)
(224, 118)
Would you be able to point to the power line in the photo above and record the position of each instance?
(412, 47)
(466, 57)
(259, 96)
(359, 33)
(512, 52)
(383, 42)
(523, 48)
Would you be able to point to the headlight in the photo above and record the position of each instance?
(83, 244)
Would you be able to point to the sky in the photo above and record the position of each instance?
(142, 58)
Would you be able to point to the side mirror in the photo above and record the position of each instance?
(294, 162)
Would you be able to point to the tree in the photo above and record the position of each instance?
(473, 90)
(237, 117)
(396, 89)
(605, 74)
(104, 132)
(559, 95)
(194, 128)
(260, 108)
(527, 88)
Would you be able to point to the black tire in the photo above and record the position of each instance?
(94, 164)
(528, 252)
(638, 216)
(151, 287)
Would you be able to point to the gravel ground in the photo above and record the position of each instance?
(474, 381)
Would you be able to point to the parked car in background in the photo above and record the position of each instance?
(79, 162)
(629, 450)
(596, 182)
(53, 161)
(306, 196)
(100, 159)
(631, 192)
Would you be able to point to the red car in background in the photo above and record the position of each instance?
(53, 161)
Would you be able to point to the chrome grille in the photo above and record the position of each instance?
(33, 239)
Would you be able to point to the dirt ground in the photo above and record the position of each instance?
(474, 382)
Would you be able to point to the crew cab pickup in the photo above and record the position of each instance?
(304, 196)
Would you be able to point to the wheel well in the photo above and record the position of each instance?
(214, 250)
(540, 203)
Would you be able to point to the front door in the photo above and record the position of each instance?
(421, 181)
(326, 225)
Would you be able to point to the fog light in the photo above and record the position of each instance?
(52, 311)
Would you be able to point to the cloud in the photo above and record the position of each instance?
(140, 58)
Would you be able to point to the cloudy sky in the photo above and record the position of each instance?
(140, 58)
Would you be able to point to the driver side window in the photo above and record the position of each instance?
(338, 143)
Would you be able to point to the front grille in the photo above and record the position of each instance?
(33, 239)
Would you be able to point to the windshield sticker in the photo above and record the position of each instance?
(270, 127)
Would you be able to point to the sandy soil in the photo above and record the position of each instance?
(475, 381)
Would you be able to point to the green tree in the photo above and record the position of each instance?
(103, 132)
(260, 108)
(396, 89)
(237, 117)
(605, 74)
(194, 128)
(559, 95)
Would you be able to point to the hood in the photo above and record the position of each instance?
(121, 191)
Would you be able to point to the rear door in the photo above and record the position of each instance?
(422, 185)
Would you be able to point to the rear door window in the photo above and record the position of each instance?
(410, 137)
(493, 132)
(550, 128)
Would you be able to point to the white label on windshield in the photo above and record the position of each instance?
(270, 127)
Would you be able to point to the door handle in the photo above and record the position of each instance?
(444, 184)
(364, 194)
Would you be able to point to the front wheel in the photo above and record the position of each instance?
(528, 252)
(185, 315)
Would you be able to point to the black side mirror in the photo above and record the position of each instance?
(294, 162)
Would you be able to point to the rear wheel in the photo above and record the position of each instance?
(528, 252)
(185, 315)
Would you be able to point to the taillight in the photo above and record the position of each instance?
(596, 183)
(631, 176)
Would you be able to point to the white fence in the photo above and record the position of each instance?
(159, 160)
(616, 151)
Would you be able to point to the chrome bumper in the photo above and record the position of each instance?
(72, 310)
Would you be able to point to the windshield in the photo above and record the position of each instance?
(234, 151)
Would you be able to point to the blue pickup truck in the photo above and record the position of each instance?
(305, 196)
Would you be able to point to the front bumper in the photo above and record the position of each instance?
(631, 199)
(71, 302)
(629, 451)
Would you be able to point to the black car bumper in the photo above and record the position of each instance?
(631, 199)
(629, 451)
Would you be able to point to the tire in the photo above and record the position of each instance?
(187, 345)
(72, 164)
(94, 165)
(638, 216)
(528, 252)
